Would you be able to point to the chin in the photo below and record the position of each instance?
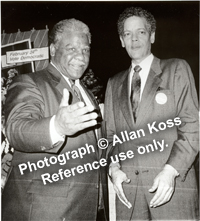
(137, 57)
(78, 75)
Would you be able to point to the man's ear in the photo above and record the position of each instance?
(122, 41)
(52, 50)
(152, 37)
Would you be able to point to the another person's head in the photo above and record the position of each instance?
(136, 28)
(70, 47)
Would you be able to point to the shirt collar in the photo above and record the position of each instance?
(146, 63)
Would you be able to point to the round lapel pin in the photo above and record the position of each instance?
(161, 98)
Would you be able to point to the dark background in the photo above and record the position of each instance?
(177, 32)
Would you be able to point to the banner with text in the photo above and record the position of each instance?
(33, 54)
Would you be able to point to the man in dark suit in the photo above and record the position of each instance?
(51, 121)
(151, 113)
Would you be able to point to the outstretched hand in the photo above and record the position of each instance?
(75, 117)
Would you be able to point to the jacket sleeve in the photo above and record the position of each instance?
(186, 147)
(110, 121)
(26, 127)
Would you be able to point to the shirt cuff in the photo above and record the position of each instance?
(169, 167)
(55, 137)
(113, 165)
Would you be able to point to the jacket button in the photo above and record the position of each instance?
(136, 172)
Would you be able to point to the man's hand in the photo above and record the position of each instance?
(118, 177)
(73, 118)
(164, 185)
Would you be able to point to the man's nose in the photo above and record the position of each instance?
(134, 37)
(80, 55)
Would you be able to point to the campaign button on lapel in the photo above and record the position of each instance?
(161, 98)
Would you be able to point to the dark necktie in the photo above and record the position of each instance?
(76, 90)
(135, 90)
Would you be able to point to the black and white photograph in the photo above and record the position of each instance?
(99, 110)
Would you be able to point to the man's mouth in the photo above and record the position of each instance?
(78, 66)
(135, 47)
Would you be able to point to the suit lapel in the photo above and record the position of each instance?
(151, 86)
(125, 101)
(58, 80)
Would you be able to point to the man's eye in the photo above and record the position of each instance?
(142, 32)
(71, 49)
(126, 34)
(86, 50)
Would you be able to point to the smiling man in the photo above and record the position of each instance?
(154, 185)
(50, 113)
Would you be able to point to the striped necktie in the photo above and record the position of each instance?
(76, 90)
(135, 90)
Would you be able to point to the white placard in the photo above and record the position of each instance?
(33, 54)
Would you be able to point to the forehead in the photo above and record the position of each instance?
(135, 22)
(74, 37)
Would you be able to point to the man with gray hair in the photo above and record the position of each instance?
(52, 123)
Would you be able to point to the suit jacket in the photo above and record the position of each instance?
(169, 93)
(31, 102)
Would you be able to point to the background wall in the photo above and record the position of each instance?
(177, 32)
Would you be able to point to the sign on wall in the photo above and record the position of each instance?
(21, 67)
(34, 54)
